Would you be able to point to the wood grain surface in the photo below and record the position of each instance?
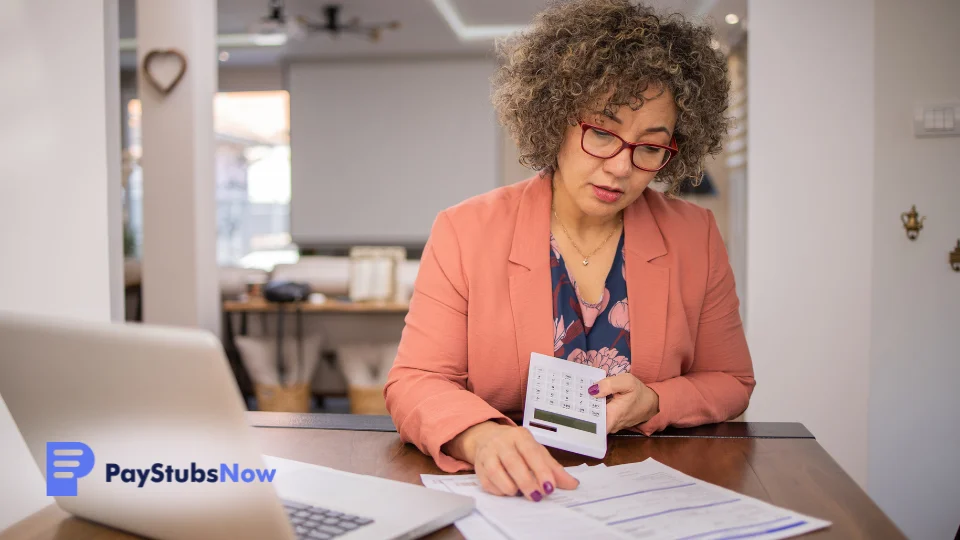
(794, 473)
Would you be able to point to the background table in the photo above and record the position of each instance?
(779, 463)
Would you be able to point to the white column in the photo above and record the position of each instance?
(58, 212)
(180, 284)
(113, 121)
(810, 218)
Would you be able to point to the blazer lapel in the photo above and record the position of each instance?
(647, 289)
(531, 298)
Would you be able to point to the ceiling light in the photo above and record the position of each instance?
(224, 56)
(732, 18)
(269, 40)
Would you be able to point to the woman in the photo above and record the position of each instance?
(583, 261)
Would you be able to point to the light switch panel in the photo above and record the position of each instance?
(938, 120)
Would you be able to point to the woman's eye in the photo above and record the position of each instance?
(600, 133)
(650, 149)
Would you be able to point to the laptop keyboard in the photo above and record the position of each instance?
(314, 523)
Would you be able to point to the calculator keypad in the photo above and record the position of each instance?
(565, 391)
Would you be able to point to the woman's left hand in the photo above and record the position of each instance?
(629, 401)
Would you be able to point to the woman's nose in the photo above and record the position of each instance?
(621, 164)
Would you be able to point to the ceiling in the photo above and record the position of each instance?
(424, 30)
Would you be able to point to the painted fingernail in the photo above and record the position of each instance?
(519, 493)
(593, 390)
(547, 488)
(536, 496)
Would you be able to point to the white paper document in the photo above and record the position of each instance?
(638, 500)
(515, 514)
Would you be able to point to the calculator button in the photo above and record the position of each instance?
(566, 405)
(595, 405)
(553, 402)
(595, 413)
(582, 410)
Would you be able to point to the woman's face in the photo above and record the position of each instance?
(604, 187)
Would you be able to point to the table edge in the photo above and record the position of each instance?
(383, 423)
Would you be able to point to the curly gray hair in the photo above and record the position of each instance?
(576, 53)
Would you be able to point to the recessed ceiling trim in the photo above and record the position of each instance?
(477, 32)
(228, 40)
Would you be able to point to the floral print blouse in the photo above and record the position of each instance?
(594, 334)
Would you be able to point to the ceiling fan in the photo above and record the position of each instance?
(277, 22)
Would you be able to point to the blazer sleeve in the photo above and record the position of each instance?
(719, 383)
(426, 391)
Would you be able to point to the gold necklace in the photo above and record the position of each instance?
(586, 258)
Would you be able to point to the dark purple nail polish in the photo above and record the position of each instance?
(536, 496)
(547, 488)
(593, 390)
(519, 493)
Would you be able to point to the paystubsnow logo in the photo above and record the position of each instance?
(66, 462)
(62, 474)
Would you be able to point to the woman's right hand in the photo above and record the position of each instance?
(508, 461)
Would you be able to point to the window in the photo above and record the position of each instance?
(252, 170)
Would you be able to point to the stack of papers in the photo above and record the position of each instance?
(638, 500)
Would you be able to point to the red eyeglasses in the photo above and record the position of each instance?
(604, 144)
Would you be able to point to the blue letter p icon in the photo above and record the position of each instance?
(66, 462)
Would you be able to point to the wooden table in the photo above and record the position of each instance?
(779, 463)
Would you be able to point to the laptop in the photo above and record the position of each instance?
(142, 428)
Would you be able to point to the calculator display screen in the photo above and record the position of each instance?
(562, 420)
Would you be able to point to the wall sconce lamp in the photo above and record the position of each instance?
(911, 223)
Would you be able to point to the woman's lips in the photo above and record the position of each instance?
(607, 195)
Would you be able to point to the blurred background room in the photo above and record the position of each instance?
(314, 142)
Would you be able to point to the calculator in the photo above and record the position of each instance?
(559, 412)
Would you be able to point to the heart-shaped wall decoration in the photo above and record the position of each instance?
(163, 69)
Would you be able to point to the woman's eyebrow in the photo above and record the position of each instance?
(658, 129)
(613, 117)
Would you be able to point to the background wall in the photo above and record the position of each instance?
(914, 461)
(55, 196)
(378, 148)
(810, 218)
(852, 326)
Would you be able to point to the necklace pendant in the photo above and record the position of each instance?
(586, 262)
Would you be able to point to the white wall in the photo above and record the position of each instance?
(810, 218)
(378, 148)
(914, 458)
(54, 194)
